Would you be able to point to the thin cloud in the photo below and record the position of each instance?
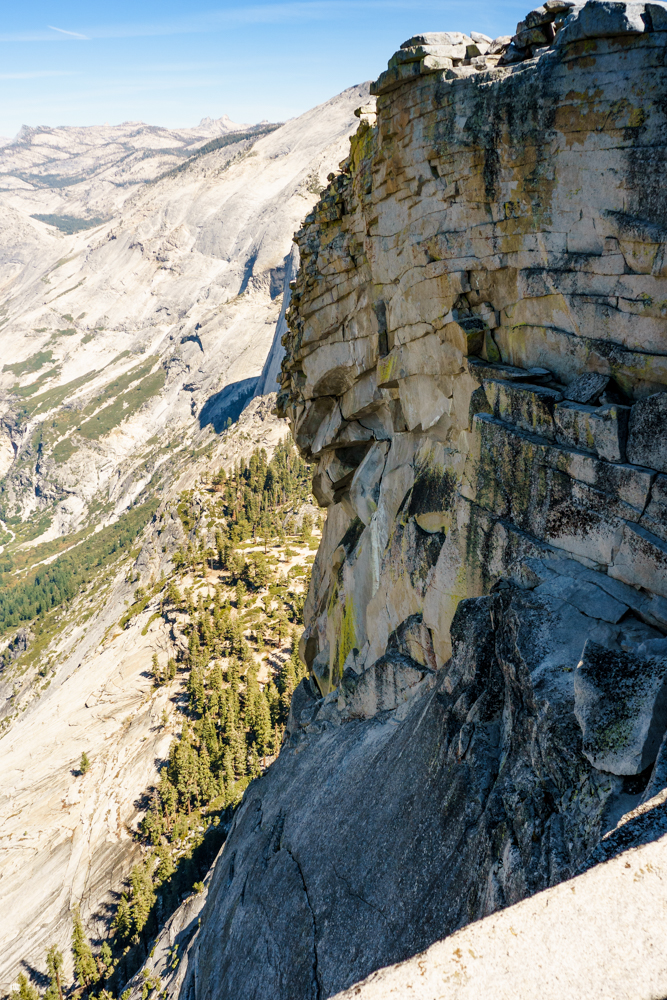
(70, 34)
(271, 13)
(288, 11)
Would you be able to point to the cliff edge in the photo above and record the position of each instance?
(477, 362)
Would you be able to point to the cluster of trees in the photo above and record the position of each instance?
(90, 972)
(50, 586)
(253, 493)
(232, 723)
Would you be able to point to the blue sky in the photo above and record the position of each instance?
(167, 63)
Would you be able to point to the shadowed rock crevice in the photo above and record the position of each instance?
(227, 404)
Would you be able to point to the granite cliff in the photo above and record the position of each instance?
(477, 362)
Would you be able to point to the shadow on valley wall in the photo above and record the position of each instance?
(227, 404)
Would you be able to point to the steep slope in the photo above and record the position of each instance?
(140, 325)
(477, 362)
(127, 351)
(67, 839)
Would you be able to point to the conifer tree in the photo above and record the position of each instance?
(84, 964)
(54, 968)
(26, 990)
(262, 725)
(166, 866)
(228, 768)
(105, 961)
(143, 895)
(168, 798)
(122, 921)
(84, 765)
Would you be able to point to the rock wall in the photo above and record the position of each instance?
(477, 363)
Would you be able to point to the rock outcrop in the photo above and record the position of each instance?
(477, 363)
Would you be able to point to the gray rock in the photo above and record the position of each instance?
(365, 486)
(499, 44)
(641, 560)
(321, 670)
(534, 36)
(382, 687)
(304, 701)
(658, 14)
(539, 16)
(587, 388)
(597, 935)
(653, 647)
(647, 441)
(586, 597)
(652, 609)
(365, 842)
(654, 518)
(529, 407)
(658, 780)
(603, 19)
(602, 431)
(512, 54)
(621, 705)
(437, 38)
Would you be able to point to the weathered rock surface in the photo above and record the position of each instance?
(371, 836)
(474, 355)
(621, 705)
(597, 935)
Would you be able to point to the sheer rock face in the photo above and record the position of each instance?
(476, 357)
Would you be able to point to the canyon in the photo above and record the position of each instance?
(128, 347)
(468, 345)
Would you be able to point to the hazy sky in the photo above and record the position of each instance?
(75, 63)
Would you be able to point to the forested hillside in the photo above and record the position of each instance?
(233, 603)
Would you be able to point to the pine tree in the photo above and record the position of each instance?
(54, 968)
(26, 990)
(205, 780)
(105, 961)
(84, 963)
(152, 824)
(158, 674)
(122, 921)
(168, 798)
(166, 866)
(84, 765)
(143, 895)
(262, 725)
(228, 767)
(240, 752)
